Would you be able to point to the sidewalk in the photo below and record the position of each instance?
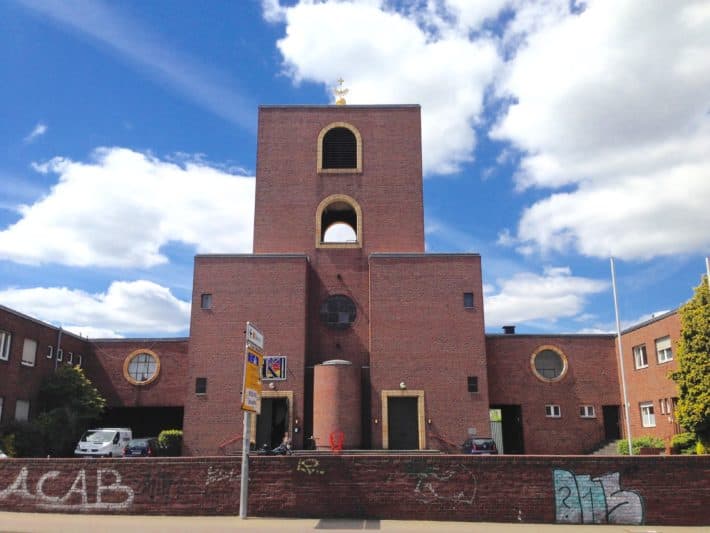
(71, 523)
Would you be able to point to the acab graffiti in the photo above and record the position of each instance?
(582, 499)
(76, 497)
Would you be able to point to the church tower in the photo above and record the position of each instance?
(378, 341)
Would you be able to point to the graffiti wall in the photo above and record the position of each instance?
(576, 490)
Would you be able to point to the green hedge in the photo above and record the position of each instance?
(622, 446)
(170, 441)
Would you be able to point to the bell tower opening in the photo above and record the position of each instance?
(339, 149)
(339, 223)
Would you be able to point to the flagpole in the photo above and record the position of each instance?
(621, 358)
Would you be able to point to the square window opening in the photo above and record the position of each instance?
(648, 416)
(29, 352)
(553, 411)
(587, 411)
(200, 385)
(468, 300)
(5, 340)
(640, 356)
(206, 301)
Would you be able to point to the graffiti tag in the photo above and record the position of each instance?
(582, 499)
(309, 466)
(77, 491)
(217, 475)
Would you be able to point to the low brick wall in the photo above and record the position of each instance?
(661, 490)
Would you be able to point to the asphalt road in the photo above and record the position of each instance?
(72, 523)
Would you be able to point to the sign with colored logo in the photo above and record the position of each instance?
(251, 391)
(274, 367)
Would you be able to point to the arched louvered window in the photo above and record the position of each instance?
(339, 149)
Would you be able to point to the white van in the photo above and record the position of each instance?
(103, 442)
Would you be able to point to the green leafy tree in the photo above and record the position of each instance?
(693, 374)
(68, 403)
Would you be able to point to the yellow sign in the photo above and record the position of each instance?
(251, 392)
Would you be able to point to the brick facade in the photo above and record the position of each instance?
(670, 490)
(650, 385)
(590, 380)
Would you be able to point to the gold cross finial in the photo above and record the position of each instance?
(340, 92)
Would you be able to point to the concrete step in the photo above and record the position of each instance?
(606, 449)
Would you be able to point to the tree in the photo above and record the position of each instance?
(693, 374)
(67, 402)
(69, 388)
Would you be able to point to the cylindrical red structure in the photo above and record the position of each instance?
(336, 405)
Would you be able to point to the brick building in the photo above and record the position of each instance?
(369, 339)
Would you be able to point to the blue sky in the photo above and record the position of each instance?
(555, 134)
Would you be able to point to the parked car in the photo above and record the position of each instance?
(103, 442)
(480, 446)
(147, 447)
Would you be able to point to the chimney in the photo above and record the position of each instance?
(509, 330)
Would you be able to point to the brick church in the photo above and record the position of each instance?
(370, 341)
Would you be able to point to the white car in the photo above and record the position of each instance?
(103, 442)
(2, 455)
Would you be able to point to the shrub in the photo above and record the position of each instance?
(622, 446)
(27, 438)
(7, 444)
(683, 443)
(170, 441)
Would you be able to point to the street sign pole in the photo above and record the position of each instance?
(244, 484)
(251, 403)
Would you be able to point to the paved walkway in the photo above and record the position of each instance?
(70, 523)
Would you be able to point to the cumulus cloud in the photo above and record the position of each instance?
(611, 102)
(527, 297)
(39, 130)
(391, 57)
(133, 307)
(120, 208)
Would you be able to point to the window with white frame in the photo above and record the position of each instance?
(648, 417)
(29, 352)
(663, 350)
(5, 340)
(70, 358)
(60, 354)
(22, 410)
(640, 356)
(553, 411)
(50, 351)
(78, 360)
(587, 411)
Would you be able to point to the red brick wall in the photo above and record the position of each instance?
(289, 188)
(422, 335)
(590, 380)
(661, 490)
(168, 390)
(651, 384)
(270, 291)
(18, 381)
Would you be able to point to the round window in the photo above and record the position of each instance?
(549, 363)
(141, 367)
(338, 312)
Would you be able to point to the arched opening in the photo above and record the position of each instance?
(339, 222)
(339, 148)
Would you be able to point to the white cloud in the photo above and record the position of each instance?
(39, 130)
(530, 297)
(119, 209)
(612, 102)
(389, 57)
(126, 307)
(104, 23)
